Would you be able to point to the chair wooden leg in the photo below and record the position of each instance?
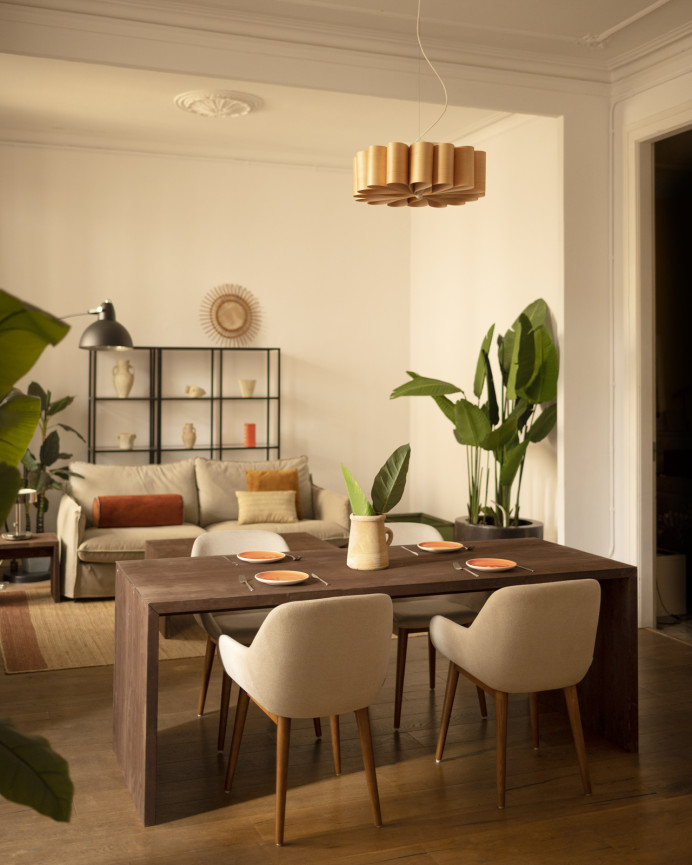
(401, 646)
(572, 700)
(363, 719)
(431, 663)
(283, 737)
(317, 724)
(501, 737)
(450, 691)
(226, 683)
(238, 727)
(206, 673)
(336, 743)
(533, 712)
(482, 705)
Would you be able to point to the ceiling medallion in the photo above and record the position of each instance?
(230, 314)
(424, 174)
(217, 103)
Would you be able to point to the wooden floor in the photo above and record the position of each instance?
(434, 814)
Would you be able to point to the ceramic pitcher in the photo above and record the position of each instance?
(368, 543)
(123, 377)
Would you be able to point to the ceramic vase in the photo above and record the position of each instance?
(123, 377)
(368, 543)
(247, 386)
(249, 435)
(126, 441)
(189, 435)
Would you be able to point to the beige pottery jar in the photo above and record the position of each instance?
(189, 435)
(368, 543)
(123, 377)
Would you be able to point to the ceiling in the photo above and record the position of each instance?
(53, 99)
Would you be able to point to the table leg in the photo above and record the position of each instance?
(135, 696)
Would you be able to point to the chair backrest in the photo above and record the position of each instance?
(237, 541)
(528, 638)
(315, 658)
(413, 533)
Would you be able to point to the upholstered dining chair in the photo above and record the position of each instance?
(242, 625)
(526, 639)
(310, 658)
(413, 615)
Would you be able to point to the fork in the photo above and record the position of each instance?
(242, 579)
(231, 561)
(460, 567)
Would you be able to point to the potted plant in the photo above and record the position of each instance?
(369, 538)
(518, 409)
(38, 472)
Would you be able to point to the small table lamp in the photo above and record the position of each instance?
(25, 497)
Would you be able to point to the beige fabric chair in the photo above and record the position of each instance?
(242, 625)
(312, 658)
(526, 639)
(413, 615)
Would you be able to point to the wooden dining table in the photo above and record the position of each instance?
(151, 588)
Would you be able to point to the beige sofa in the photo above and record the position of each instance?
(88, 554)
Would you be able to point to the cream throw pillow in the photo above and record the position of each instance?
(270, 506)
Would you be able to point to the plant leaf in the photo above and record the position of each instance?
(72, 430)
(524, 363)
(543, 385)
(19, 415)
(50, 449)
(10, 484)
(390, 481)
(472, 425)
(24, 332)
(360, 505)
(543, 424)
(32, 773)
(421, 386)
(513, 459)
(481, 365)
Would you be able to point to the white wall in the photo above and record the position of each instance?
(154, 235)
(472, 267)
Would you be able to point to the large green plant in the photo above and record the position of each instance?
(508, 420)
(387, 488)
(39, 475)
(31, 773)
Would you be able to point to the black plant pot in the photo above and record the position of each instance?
(466, 531)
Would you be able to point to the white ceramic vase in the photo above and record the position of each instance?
(189, 435)
(368, 543)
(123, 377)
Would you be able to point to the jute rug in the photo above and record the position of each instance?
(38, 634)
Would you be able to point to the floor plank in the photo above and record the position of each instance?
(434, 814)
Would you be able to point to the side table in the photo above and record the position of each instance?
(45, 544)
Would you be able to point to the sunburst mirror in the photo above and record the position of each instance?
(230, 314)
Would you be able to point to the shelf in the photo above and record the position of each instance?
(159, 372)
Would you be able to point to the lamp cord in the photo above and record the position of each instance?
(427, 60)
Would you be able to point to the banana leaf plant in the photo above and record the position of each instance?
(31, 772)
(387, 489)
(502, 425)
(39, 475)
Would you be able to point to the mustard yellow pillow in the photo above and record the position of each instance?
(261, 480)
(271, 506)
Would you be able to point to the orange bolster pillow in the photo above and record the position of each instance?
(151, 510)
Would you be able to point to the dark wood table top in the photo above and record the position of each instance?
(210, 583)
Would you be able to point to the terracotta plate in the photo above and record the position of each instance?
(491, 564)
(440, 546)
(260, 557)
(283, 578)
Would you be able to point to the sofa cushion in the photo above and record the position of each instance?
(218, 480)
(274, 479)
(270, 506)
(115, 545)
(326, 531)
(151, 510)
(104, 480)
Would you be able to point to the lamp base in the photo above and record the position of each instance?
(20, 536)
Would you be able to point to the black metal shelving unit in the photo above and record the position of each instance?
(214, 441)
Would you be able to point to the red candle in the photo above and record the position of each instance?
(249, 435)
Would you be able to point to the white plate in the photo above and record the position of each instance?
(440, 546)
(282, 578)
(260, 557)
(490, 564)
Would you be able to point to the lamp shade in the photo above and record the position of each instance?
(106, 333)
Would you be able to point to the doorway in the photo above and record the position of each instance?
(673, 388)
